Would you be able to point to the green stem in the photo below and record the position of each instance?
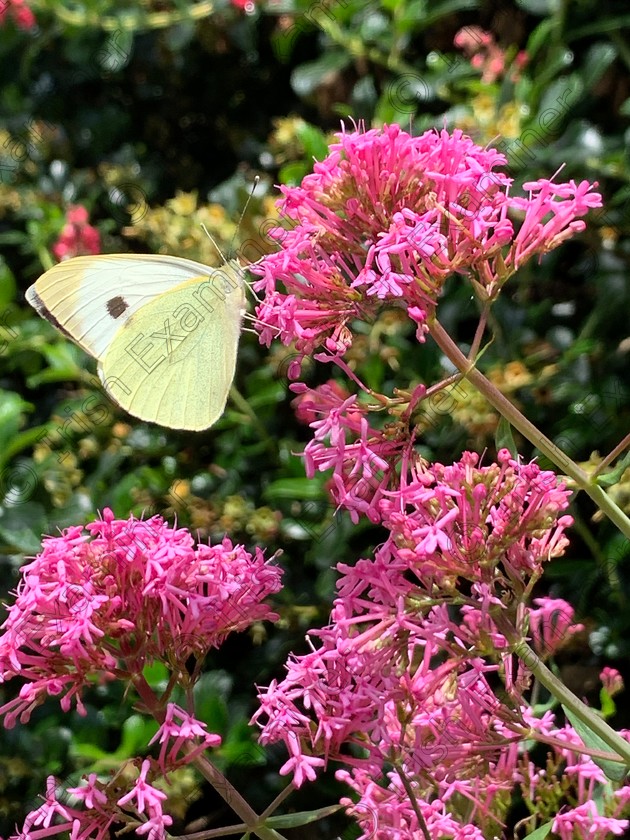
(45, 258)
(357, 49)
(223, 787)
(234, 799)
(136, 20)
(527, 429)
(581, 711)
(414, 802)
(241, 403)
(612, 456)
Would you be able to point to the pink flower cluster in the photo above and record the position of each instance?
(401, 687)
(389, 217)
(376, 473)
(19, 12)
(414, 688)
(77, 237)
(178, 730)
(102, 604)
(486, 55)
(475, 535)
(140, 808)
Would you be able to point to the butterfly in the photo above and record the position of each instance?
(164, 330)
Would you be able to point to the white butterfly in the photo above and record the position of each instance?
(165, 330)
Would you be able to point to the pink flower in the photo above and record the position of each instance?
(302, 765)
(45, 814)
(182, 733)
(91, 794)
(612, 681)
(103, 604)
(388, 217)
(551, 624)
(102, 806)
(93, 823)
(19, 12)
(485, 54)
(77, 237)
(405, 673)
(586, 822)
(362, 458)
(147, 800)
(310, 404)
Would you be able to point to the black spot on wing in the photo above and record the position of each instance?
(116, 306)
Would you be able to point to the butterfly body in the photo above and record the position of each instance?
(164, 330)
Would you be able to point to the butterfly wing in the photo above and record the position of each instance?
(173, 360)
(90, 298)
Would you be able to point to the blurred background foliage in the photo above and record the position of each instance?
(157, 117)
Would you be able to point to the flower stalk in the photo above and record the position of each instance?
(511, 413)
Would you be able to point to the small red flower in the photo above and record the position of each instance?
(77, 237)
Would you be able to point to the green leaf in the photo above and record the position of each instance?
(306, 78)
(541, 832)
(294, 489)
(89, 751)
(313, 139)
(539, 7)
(613, 769)
(436, 11)
(8, 287)
(614, 477)
(24, 440)
(211, 701)
(22, 526)
(156, 674)
(116, 52)
(240, 748)
(12, 410)
(598, 59)
(559, 97)
(292, 173)
(137, 731)
(541, 36)
(503, 438)
(302, 817)
(607, 704)
(602, 25)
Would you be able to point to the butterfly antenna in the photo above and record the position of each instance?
(214, 242)
(244, 210)
(238, 227)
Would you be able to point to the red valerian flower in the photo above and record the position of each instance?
(105, 603)
(77, 238)
(19, 12)
(388, 217)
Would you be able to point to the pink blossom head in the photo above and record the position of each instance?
(77, 237)
(19, 12)
(105, 600)
(387, 218)
(611, 680)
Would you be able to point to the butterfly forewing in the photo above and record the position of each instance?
(90, 298)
